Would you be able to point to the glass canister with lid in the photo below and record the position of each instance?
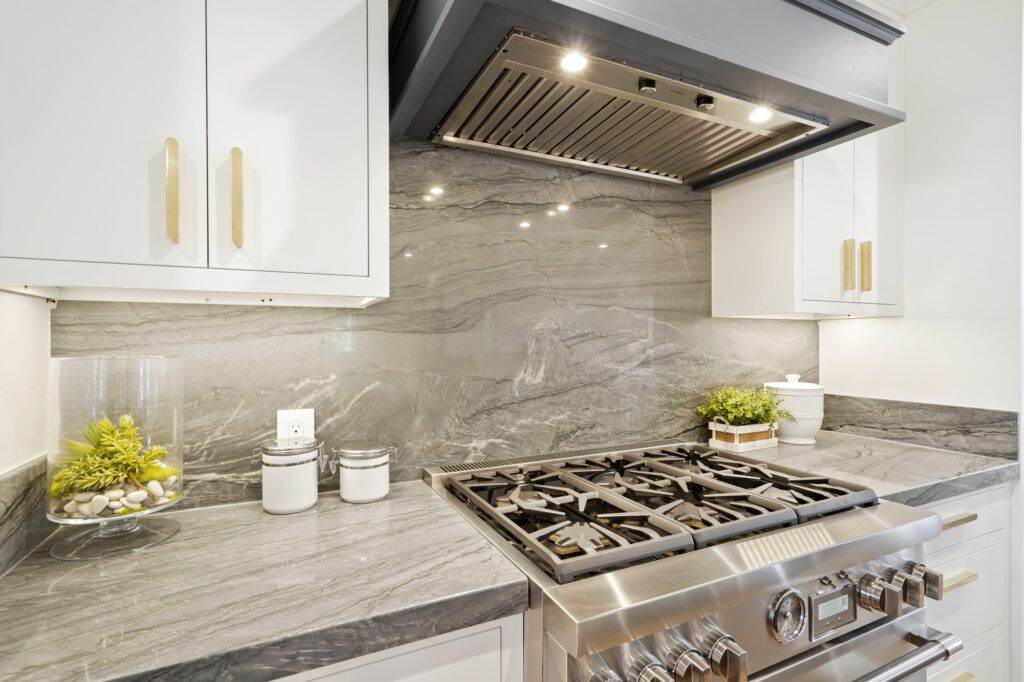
(364, 473)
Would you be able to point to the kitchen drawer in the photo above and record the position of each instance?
(982, 603)
(988, 662)
(992, 507)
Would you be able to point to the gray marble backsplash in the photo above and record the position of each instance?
(589, 326)
(966, 429)
(23, 523)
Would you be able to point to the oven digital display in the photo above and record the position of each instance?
(833, 606)
(831, 610)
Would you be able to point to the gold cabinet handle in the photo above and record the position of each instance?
(849, 262)
(964, 677)
(958, 520)
(959, 580)
(865, 266)
(237, 199)
(172, 189)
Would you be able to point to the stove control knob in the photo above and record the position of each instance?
(681, 657)
(910, 586)
(933, 584)
(874, 594)
(728, 660)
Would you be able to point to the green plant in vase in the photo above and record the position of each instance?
(110, 456)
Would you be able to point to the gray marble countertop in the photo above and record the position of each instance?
(901, 472)
(241, 594)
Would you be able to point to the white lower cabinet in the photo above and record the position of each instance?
(489, 652)
(973, 555)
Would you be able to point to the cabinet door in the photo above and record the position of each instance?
(827, 222)
(878, 216)
(288, 91)
(90, 93)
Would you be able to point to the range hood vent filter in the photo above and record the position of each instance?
(609, 117)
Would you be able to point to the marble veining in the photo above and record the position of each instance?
(967, 429)
(901, 472)
(241, 594)
(497, 340)
(23, 523)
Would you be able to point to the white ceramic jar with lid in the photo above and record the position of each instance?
(291, 470)
(806, 402)
(364, 473)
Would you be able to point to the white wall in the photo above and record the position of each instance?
(959, 340)
(24, 363)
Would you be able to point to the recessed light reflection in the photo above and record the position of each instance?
(524, 224)
(759, 115)
(573, 62)
(427, 197)
(602, 246)
(407, 254)
(563, 207)
(437, 191)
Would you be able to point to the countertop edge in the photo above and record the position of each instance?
(974, 481)
(345, 641)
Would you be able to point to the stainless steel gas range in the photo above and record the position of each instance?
(673, 561)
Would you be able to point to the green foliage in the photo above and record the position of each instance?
(743, 406)
(109, 455)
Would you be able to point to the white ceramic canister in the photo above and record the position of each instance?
(291, 468)
(363, 474)
(806, 401)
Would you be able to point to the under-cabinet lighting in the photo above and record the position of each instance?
(573, 62)
(759, 115)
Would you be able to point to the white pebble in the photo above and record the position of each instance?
(169, 481)
(84, 497)
(71, 507)
(136, 496)
(84, 509)
(163, 500)
(114, 494)
(155, 489)
(115, 505)
(98, 504)
(132, 505)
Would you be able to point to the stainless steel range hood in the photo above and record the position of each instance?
(609, 117)
(694, 91)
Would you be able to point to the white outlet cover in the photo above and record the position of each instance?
(295, 424)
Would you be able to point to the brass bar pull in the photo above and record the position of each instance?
(172, 189)
(959, 580)
(237, 199)
(849, 258)
(865, 266)
(958, 520)
(964, 677)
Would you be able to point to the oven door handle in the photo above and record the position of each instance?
(933, 647)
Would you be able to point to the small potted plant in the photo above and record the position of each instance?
(742, 419)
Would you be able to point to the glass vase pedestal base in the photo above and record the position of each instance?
(112, 537)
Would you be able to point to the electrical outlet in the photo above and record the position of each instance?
(295, 424)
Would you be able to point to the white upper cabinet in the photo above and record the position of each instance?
(287, 90)
(109, 110)
(91, 92)
(815, 238)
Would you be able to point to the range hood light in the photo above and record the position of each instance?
(573, 62)
(563, 207)
(437, 191)
(759, 115)
(525, 224)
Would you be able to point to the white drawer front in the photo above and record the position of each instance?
(979, 605)
(991, 506)
(987, 663)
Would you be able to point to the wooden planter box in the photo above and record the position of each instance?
(742, 438)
